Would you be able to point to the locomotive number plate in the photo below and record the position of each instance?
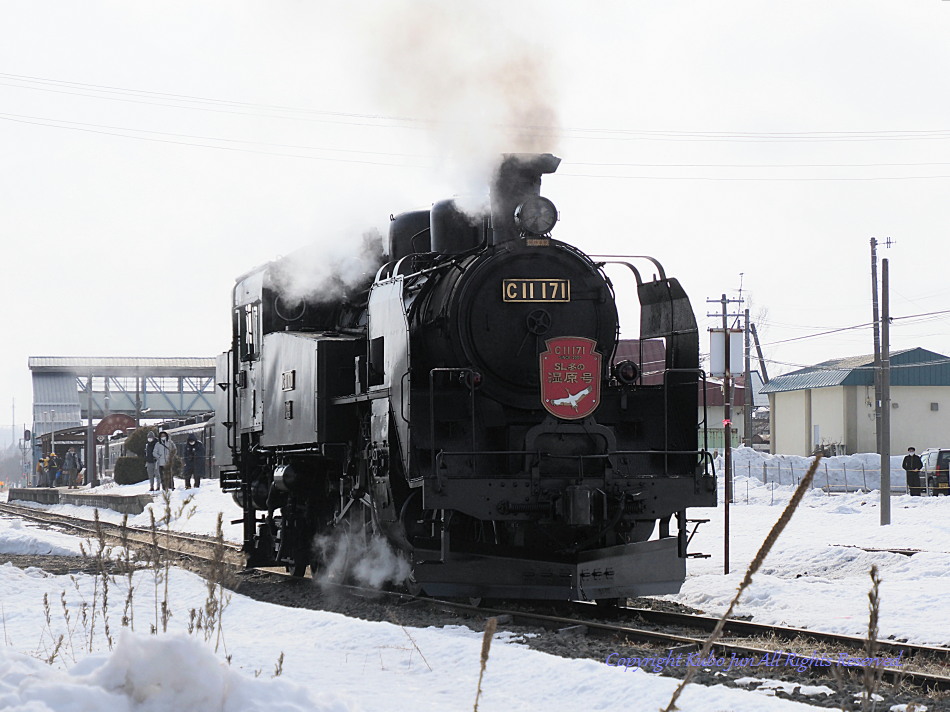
(536, 290)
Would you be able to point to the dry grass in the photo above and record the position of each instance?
(491, 625)
(871, 675)
(110, 565)
(766, 547)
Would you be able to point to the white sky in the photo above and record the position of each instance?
(129, 246)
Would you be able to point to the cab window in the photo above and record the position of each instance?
(249, 324)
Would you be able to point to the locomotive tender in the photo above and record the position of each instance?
(464, 404)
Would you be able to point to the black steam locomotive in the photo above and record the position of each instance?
(466, 404)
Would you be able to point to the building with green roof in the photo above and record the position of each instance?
(831, 405)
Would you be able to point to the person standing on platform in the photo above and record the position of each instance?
(52, 468)
(912, 465)
(194, 458)
(41, 480)
(151, 464)
(71, 467)
(164, 450)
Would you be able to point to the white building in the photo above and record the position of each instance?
(831, 405)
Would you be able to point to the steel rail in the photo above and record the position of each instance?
(142, 536)
(748, 628)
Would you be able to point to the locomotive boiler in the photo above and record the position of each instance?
(466, 403)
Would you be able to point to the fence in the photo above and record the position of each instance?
(845, 479)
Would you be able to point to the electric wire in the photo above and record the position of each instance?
(200, 142)
(161, 137)
(101, 91)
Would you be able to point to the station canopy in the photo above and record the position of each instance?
(68, 391)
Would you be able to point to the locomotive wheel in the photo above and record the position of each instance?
(298, 570)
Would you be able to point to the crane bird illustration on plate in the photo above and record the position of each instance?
(572, 400)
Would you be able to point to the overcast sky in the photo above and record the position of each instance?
(152, 151)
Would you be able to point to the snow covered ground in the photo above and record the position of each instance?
(814, 577)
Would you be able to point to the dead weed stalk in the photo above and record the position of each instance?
(767, 545)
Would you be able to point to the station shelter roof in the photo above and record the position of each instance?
(70, 389)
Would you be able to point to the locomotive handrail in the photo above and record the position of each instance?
(701, 454)
(705, 421)
(391, 272)
(621, 260)
(552, 455)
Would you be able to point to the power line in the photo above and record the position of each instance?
(758, 179)
(139, 96)
(198, 141)
(824, 367)
(925, 316)
(355, 118)
(158, 137)
(757, 165)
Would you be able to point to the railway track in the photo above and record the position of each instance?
(787, 633)
(747, 647)
(681, 634)
(179, 544)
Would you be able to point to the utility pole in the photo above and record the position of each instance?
(747, 352)
(91, 476)
(758, 350)
(726, 419)
(885, 435)
(877, 345)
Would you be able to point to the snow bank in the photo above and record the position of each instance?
(860, 470)
(151, 674)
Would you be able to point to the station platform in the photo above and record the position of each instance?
(127, 504)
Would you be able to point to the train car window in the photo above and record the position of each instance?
(250, 321)
(377, 368)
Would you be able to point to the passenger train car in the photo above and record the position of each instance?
(203, 429)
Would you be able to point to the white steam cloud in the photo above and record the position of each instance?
(349, 558)
(476, 73)
(323, 273)
(474, 78)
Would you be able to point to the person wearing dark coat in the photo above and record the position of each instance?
(52, 468)
(151, 464)
(71, 467)
(194, 457)
(912, 465)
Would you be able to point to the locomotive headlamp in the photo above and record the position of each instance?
(536, 215)
(626, 372)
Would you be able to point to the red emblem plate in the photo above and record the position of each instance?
(570, 377)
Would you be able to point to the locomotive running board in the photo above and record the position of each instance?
(642, 569)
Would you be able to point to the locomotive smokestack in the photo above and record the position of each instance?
(517, 178)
